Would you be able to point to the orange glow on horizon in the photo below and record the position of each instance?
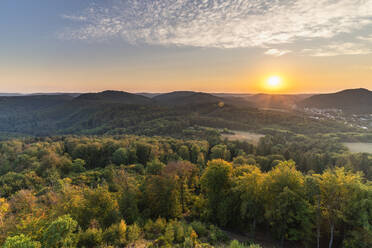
(273, 83)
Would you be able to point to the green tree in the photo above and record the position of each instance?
(61, 233)
(194, 154)
(185, 174)
(11, 183)
(134, 232)
(92, 237)
(143, 152)
(286, 207)
(236, 244)
(92, 153)
(201, 160)
(216, 183)
(78, 165)
(337, 189)
(313, 195)
(21, 241)
(154, 167)
(116, 234)
(251, 190)
(184, 152)
(101, 205)
(128, 201)
(265, 145)
(161, 197)
(220, 151)
(120, 156)
(358, 218)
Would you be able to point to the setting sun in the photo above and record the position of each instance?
(274, 82)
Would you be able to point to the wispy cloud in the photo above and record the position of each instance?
(347, 48)
(366, 38)
(220, 23)
(276, 52)
(74, 18)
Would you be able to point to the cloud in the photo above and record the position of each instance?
(276, 52)
(366, 38)
(219, 23)
(74, 18)
(346, 48)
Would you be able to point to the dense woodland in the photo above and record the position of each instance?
(117, 191)
(114, 169)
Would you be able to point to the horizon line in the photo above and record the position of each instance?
(149, 92)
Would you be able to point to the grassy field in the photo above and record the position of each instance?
(359, 147)
(246, 136)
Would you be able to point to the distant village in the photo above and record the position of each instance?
(362, 121)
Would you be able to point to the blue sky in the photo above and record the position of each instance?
(208, 45)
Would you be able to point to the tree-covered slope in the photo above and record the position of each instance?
(353, 101)
(113, 112)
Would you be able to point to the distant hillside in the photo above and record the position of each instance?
(186, 98)
(275, 101)
(10, 94)
(116, 112)
(41, 94)
(24, 114)
(110, 96)
(266, 101)
(55, 94)
(352, 101)
(240, 95)
(31, 103)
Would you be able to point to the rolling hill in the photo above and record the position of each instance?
(111, 96)
(9, 104)
(115, 112)
(10, 94)
(351, 101)
(186, 98)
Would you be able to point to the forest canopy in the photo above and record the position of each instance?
(115, 191)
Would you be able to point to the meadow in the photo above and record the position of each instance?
(359, 147)
(243, 136)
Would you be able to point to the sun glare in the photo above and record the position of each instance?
(273, 83)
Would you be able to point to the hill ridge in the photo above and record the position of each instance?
(351, 101)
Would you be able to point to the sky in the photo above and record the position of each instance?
(201, 45)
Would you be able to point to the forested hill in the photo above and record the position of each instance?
(31, 103)
(186, 98)
(353, 101)
(110, 96)
(114, 112)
